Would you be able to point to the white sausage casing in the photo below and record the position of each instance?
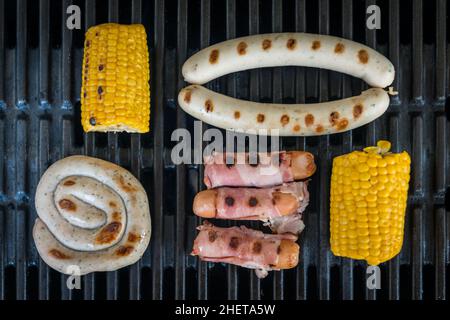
(290, 119)
(289, 49)
(93, 215)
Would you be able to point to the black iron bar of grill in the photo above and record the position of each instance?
(135, 156)
(302, 269)
(181, 223)
(2, 137)
(231, 91)
(158, 138)
(254, 95)
(323, 160)
(347, 141)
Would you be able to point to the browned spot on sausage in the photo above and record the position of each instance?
(284, 119)
(341, 125)
(125, 186)
(339, 48)
(108, 233)
(58, 254)
(187, 96)
(229, 201)
(357, 110)
(133, 237)
(234, 243)
(315, 45)
(66, 204)
(116, 216)
(319, 129)
(214, 56)
(334, 116)
(112, 204)
(69, 183)
(241, 48)
(260, 118)
(296, 128)
(124, 250)
(212, 235)
(253, 202)
(266, 44)
(291, 43)
(209, 107)
(363, 56)
(309, 119)
(257, 247)
(279, 250)
(237, 114)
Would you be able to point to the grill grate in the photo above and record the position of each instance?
(40, 79)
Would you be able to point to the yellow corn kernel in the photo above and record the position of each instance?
(115, 91)
(370, 214)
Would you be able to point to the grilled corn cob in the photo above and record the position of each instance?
(369, 192)
(115, 93)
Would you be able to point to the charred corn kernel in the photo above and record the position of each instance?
(371, 217)
(115, 92)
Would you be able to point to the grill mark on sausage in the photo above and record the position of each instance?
(315, 45)
(260, 118)
(334, 116)
(187, 96)
(133, 237)
(241, 48)
(229, 201)
(309, 119)
(124, 250)
(279, 249)
(342, 124)
(284, 119)
(69, 183)
(68, 205)
(209, 107)
(253, 202)
(116, 216)
(257, 247)
(266, 44)
(108, 233)
(291, 44)
(125, 186)
(55, 253)
(357, 110)
(319, 129)
(234, 243)
(339, 48)
(296, 127)
(363, 56)
(214, 56)
(212, 235)
(112, 204)
(237, 114)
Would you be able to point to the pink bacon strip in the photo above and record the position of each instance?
(268, 169)
(247, 248)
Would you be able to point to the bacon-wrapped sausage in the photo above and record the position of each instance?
(241, 170)
(273, 205)
(246, 248)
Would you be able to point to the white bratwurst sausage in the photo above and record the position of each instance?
(289, 49)
(290, 119)
(93, 215)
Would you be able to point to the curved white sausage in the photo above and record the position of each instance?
(289, 49)
(290, 119)
(93, 215)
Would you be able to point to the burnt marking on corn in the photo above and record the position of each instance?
(92, 121)
(334, 116)
(266, 44)
(363, 56)
(214, 56)
(357, 110)
(108, 233)
(341, 125)
(133, 237)
(187, 96)
(100, 90)
(319, 129)
(291, 44)
(124, 250)
(339, 48)
(260, 118)
(237, 114)
(209, 107)
(315, 45)
(88, 43)
(229, 201)
(212, 235)
(69, 183)
(66, 204)
(253, 202)
(257, 247)
(296, 128)
(234, 243)
(309, 119)
(55, 253)
(100, 67)
(241, 48)
(284, 119)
